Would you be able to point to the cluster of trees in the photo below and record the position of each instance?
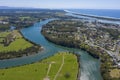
(115, 33)
(4, 27)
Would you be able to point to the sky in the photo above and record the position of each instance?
(75, 4)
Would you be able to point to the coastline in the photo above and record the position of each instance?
(94, 16)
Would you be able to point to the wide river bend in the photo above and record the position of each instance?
(90, 67)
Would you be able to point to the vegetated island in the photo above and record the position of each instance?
(61, 66)
(13, 45)
(96, 38)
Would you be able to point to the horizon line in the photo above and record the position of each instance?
(14, 7)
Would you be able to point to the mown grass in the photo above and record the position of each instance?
(38, 71)
(19, 44)
(72, 70)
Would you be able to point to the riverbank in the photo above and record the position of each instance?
(29, 40)
(67, 37)
(62, 66)
(104, 57)
(15, 45)
(88, 63)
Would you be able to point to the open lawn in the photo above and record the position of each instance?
(23, 18)
(4, 34)
(47, 68)
(115, 73)
(18, 44)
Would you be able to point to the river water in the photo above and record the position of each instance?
(89, 65)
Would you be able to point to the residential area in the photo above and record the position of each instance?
(93, 33)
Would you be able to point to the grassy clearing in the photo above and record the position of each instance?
(23, 18)
(4, 34)
(38, 71)
(1, 39)
(72, 70)
(115, 73)
(18, 44)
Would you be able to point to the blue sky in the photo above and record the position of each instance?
(87, 4)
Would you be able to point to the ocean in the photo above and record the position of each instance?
(98, 12)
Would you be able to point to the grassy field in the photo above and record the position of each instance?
(47, 68)
(4, 34)
(115, 73)
(23, 18)
(19, 44)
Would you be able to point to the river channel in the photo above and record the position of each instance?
(90, 67)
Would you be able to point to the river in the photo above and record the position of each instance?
(90, 67)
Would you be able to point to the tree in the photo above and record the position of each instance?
(67, 75)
